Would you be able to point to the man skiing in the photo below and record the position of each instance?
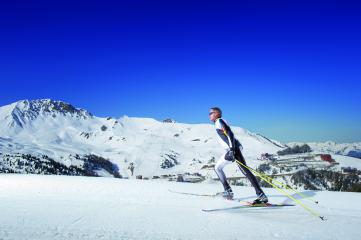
(233, 147)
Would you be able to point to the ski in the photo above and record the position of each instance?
(249, 205)
(219, 194)
(197, 194)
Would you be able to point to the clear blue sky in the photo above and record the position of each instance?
(289, 70)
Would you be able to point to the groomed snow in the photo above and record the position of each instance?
(62, 207)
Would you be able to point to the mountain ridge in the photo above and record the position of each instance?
(76, 138)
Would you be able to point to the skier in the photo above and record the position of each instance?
(233, 147)
(131, 168)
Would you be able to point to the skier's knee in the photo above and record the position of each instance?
(218, 168)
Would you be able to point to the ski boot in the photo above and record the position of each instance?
(228, 194)
(261, 199)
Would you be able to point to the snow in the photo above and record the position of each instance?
(47, 129)
(143, 141)
(333, 147)
(63, 207)
(345, 161)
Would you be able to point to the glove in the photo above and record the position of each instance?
(230, 155)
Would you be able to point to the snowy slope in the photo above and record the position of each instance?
(58, 130)
(53, 137)
(62, 207)
(346, 149)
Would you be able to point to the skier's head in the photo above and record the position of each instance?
(215, 113)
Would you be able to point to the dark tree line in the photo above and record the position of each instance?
(28, 164)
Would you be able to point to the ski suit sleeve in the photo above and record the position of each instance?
(227, 134)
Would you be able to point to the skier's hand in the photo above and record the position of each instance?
(230, 155)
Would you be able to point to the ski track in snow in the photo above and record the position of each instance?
(63, 207)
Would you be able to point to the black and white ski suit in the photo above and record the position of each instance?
(231, 144)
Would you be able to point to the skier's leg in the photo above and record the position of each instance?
(247, 172)
(219, 170)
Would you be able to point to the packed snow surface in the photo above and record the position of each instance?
(64, 207)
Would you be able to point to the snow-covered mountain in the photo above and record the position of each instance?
(54, 137)
(21, 114)
(57, 129)
(346, 149)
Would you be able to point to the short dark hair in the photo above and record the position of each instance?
(217, 109)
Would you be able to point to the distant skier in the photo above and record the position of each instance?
(131, 168)
(233, 147)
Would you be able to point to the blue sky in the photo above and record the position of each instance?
(289, 70)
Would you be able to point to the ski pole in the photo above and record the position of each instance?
(286, 187)
(282, 191)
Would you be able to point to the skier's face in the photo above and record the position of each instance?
(213, 115)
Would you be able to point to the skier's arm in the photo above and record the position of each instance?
(226, 130)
